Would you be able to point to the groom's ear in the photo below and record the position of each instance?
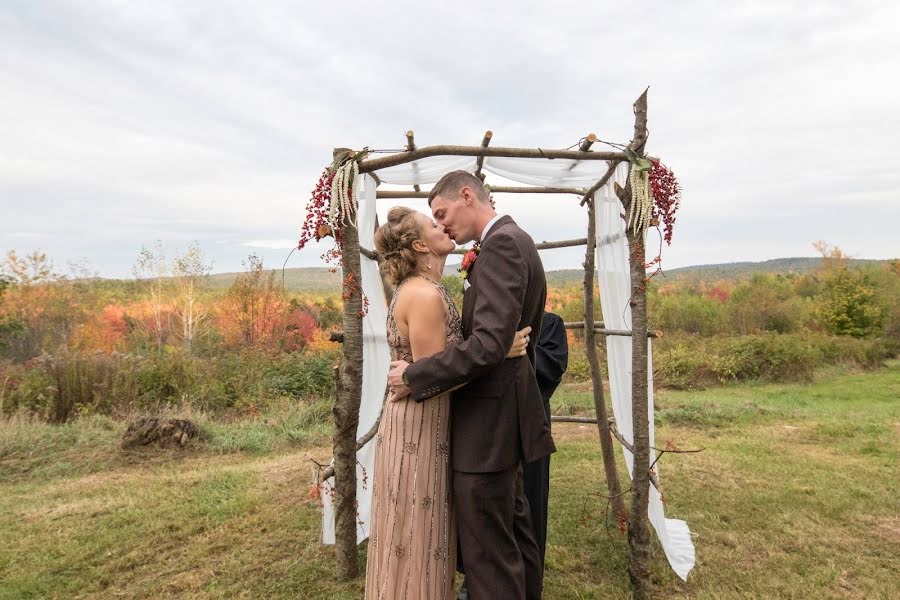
(466, 194)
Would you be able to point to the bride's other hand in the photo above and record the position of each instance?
(520, 343)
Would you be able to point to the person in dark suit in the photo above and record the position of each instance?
(552, 360)
(498, 422)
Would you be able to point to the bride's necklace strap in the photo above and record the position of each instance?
(423, 276)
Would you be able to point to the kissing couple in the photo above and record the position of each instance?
(465, 412)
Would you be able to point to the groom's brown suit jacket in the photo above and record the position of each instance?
(497, 419)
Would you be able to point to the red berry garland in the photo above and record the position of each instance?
(666, 196)
(316, 224)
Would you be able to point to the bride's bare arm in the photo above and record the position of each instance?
(426, 318)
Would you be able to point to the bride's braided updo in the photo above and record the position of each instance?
(393, 241)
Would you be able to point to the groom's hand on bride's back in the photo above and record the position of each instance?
(399, 389)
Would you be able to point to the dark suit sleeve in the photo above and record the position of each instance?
(502, 284)
(552, 354)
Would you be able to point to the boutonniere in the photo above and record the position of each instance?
(469, 260)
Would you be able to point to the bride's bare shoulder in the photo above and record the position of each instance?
(418, 294)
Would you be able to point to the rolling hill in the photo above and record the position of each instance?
(323, 280)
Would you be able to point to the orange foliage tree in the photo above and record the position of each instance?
(255, 313)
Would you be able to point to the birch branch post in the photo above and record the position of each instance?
(346, 410)
(638, 521)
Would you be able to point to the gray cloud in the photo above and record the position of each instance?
(121, 123)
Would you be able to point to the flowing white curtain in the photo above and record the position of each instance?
(376, 360)
(615, 291)
(613, 272)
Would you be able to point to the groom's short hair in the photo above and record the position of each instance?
(450, 184)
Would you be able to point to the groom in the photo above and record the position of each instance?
(497, 420)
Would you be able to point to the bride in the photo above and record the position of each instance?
(412, 541)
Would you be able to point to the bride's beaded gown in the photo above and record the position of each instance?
(412, 542)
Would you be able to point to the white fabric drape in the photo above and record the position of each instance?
(613, 272)
(615, 291)
(558, 172)
(376, 361)
(426, 170)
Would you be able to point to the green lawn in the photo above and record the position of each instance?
(794, 497)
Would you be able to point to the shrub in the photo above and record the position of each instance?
(164, 379)
(578, 368)
(695, 362)
(855, 352)
(681, 366)
(59, 387)
(689, 313)
(848, 304)
(302, 376)
(768, 357)
(766, 303)
(30, 391)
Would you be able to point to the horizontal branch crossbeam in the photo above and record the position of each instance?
(580, 324)
(544, 245)
(371, 254)
(374, 164)
(338, 336)
(495, 189)
(568, 419)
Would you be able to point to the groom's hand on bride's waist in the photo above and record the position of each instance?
(397, 381)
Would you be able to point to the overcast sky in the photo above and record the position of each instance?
(123, 122)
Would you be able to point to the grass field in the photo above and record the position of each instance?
(795, 496)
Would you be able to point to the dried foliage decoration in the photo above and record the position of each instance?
(333, 204)
(666, 192)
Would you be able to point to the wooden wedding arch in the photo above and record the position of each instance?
(348, 375)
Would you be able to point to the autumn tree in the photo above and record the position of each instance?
(252, 302)
(847, 303)
(40, 302)
(32, 269)
(190, 271)
(152, 270)
(10, 327)
(256, 313)
(833, 258)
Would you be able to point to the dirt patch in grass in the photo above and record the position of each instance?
(564, 432)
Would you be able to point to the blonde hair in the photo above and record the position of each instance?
(393, 241)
